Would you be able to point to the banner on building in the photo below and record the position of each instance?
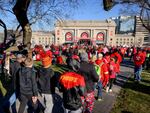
(84, 35)
(100, 37)
(69, 36)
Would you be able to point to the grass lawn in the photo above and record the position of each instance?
(134, 97)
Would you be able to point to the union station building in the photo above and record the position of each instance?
(91, 32)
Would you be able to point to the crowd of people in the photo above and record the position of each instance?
(92, 69)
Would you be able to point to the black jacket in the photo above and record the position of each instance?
(27, 81)
(44, 80)
(14, 68)
(90, 75)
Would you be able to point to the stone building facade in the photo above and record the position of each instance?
(42, 37)
(95, 32)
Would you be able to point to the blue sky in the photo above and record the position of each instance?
(88, 10)
(93, 10)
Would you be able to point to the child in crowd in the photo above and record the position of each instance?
(27, 85)
(112, 74)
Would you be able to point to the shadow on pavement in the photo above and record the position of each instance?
(137, 87)
(128, 65)
(146, 81)
(126, 112)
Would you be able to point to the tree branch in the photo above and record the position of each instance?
(141, 19)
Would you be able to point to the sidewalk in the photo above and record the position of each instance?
(109, 99)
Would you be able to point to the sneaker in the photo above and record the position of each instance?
(107, 89)
(99, 99)
(110, 90)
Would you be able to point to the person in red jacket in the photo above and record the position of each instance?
(119, 59)
(112, 74)
(103, 74)
(138, 59)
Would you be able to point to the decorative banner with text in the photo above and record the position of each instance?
(68, 36)
(84, 35)
(100, 37)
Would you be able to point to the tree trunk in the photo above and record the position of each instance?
(20, 10)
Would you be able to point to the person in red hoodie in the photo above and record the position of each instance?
(138, 59)
(112, 73)
(119, 59)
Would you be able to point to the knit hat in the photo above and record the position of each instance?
(46, 61)
(19, 56)
(28, 62)
(84, 57)
(99, 55)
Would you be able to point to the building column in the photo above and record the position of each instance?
(107, 38)
(74, 38)
(76, 35)
(92, 34)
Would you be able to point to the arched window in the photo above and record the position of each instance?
(84, 35)
(68, 36)
(100, 36)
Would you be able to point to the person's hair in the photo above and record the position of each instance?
(114, 58)
(28, 62)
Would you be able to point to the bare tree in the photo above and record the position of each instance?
(29, 12)
(20, 10)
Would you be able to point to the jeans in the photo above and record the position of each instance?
(99, 86)
(137, 72)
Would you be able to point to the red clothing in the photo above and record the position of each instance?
(76, 57)
(118, 67)
(104, 74)
(38, 57)
(138, 59)
(144, 55)
(106, 59)
(119, 60)
(59, 60)
(122, 50)
(100, 50)
(56, 52)
(71, 79)
(134, 50)
(89, 55)
(49, 53)
(113, 69)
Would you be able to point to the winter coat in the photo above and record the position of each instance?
(27, 81)
(88, 71)
(44, 80)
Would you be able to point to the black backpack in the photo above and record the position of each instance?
(72, 99)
